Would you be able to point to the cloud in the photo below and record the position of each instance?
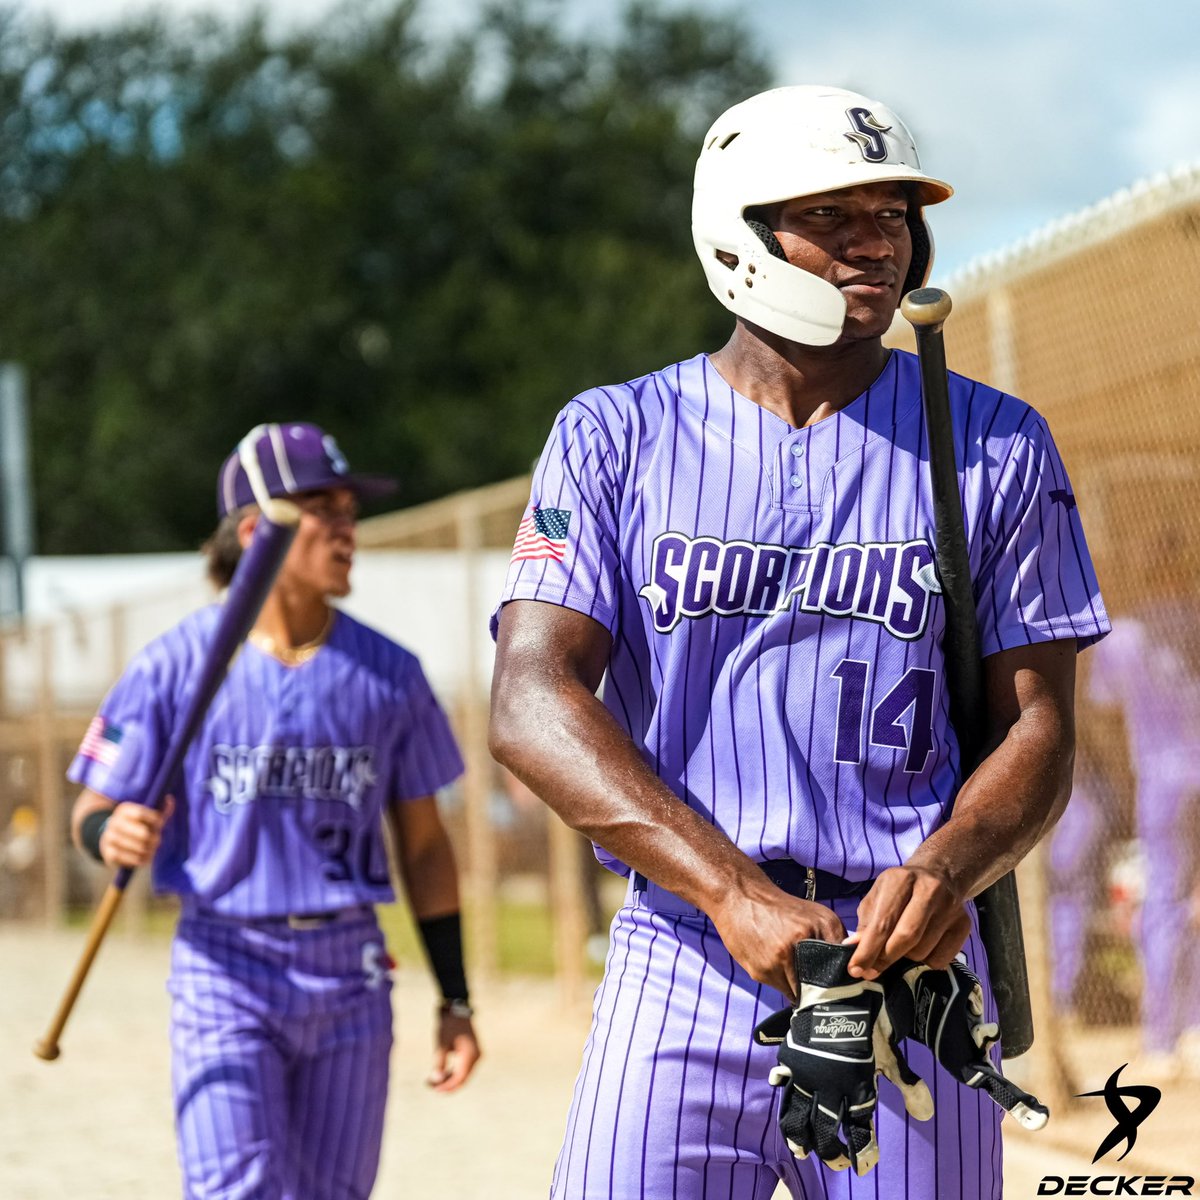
(1163, 129)
(1031, 117)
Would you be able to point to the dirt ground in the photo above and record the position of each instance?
(95, 1125)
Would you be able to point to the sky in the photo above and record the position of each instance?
(1032, 110)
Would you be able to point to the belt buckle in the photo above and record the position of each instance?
(313, 921)
(810, 884)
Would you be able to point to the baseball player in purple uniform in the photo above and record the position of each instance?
(739, 547)
(281, 1022)
(1150, 669)
(1077, 857)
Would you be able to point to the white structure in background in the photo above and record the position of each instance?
(100, 610)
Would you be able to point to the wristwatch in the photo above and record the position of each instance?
(456, 1008)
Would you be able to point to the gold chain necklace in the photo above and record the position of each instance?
(292, 656)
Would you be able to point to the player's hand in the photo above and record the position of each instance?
(831, 1047)
(456, 1053)
(133, 833)
(910, 912)
(944, 1009)
(762, 928)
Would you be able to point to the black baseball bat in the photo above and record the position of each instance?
(252, 580)
(926, 309)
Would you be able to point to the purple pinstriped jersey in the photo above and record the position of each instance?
(280, 804)
(773, 601)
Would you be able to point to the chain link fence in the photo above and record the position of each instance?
(1094, 322)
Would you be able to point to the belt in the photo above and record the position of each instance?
(316, 920)
(299, 921)
(809, 883)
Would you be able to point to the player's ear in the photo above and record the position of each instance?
(245, 528)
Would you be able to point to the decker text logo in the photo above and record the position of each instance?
(1116, 1185)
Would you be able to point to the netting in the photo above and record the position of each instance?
(1096, 323)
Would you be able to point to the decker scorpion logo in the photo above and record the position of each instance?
(1145, 1101)
(1128, 1119)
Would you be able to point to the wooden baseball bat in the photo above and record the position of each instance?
(252, 581)
(926, 309)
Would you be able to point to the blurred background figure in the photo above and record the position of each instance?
(1149, 669)
(20, 845)
(1080, 856)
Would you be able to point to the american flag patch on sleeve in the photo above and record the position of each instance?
(102, 742)
(542, 534)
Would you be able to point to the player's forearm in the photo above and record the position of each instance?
(429, 874)
(1009, 803)
(561, 741)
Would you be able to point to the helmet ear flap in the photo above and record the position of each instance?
(922, 249)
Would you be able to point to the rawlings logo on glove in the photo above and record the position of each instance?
(839, 1028)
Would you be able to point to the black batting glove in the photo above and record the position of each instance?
(943, 1008)
(827, 1046)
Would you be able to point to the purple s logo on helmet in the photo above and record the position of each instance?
(337, 459)
(868, 133)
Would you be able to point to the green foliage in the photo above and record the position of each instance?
(426, 247)
(524, 937)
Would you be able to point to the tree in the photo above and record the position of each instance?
(428, 248)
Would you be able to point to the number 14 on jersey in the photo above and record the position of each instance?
(915, 692)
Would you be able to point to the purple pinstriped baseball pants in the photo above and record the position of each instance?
(1078, 855)
(1166, 812)
(672, 1101)
(280, 1041)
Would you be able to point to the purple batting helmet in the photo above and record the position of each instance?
(293, 457)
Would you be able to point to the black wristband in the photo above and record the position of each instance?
(443, 943)
(91, 828)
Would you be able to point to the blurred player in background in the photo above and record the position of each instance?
(20, 849)
(281, 1023)
(740, 547)
(1079, 857)
(1149, 670)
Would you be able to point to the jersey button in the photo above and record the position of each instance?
(796, 481)
(797, 449)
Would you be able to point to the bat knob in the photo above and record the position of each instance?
(926, 306)
(46, 1050)
(281, 512)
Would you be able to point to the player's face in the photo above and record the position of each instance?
(323, 552)
(856, 238)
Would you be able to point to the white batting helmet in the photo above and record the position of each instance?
(787, 142)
